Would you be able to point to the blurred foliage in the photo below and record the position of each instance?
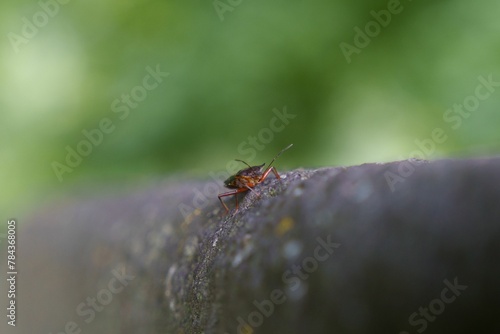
(227, 73)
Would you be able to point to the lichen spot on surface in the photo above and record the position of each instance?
(285, 225)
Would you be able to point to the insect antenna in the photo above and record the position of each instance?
(243, 162)
(277, 155)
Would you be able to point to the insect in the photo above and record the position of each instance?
(248, 178)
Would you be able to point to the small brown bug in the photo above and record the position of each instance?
(248, 178)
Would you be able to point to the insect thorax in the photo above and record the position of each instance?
(247, 177)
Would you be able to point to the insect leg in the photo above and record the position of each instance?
(266, 173)
(230, 193)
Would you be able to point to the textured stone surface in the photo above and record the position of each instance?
(334, 250)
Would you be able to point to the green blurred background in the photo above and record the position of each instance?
(230, 64)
